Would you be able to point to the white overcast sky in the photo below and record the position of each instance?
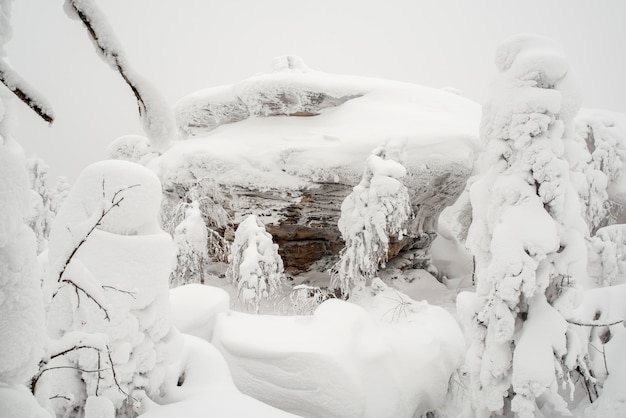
(187, 45)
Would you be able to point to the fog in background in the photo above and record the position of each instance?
(183, 46)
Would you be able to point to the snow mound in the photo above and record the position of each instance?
(390, 357)
(195, 308)
(202, 383)
(18, 402)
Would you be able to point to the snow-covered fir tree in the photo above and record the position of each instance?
(22, 320)
(527, 236)
(190, 239)
(255, 265)
(377, 209)
(106, 289)
(210, 204)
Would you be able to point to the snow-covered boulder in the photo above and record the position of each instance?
(383, 356)
(252, 153)
(202, 385)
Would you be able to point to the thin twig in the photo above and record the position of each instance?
(126, 292)
(78, 288)
(67, 398)
(593, 324)
(115, 376)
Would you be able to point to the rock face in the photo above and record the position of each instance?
(249, 152)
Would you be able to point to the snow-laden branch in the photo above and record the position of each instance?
(156, 115)
(16, 84)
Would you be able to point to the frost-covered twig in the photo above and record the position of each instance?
(24, 92)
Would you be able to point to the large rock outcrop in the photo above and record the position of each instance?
(247, 149)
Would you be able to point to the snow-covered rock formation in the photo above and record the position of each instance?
(249, 148)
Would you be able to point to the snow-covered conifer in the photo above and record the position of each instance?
(255, 265)
(107, 289)
(377, 209)
(22, 331)
(190, 239)
(527, 235)
(21, 307)
(210, 204)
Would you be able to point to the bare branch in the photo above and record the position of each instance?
(78, 288)
(115, 376)
(17, 86)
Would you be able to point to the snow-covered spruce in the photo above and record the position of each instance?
(210, 201)
(22, 329)
(527, 236)
(22, 321)
(191, 241)
(109, 265)
(255, 266)
(377, 209)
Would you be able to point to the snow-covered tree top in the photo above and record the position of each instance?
(242, 133)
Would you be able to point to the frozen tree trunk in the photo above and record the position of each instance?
(527, 235)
